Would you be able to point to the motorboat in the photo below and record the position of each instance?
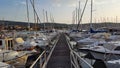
(5, 65)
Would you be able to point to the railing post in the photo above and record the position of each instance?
(38, 60)
(76, 60)
(45, 56)
(40, 63)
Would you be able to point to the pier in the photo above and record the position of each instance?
(60, 57)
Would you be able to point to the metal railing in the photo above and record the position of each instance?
(76, 60)
(48, 58)
(38, 63)
(42, 60)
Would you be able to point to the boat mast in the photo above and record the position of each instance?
(91, 14)
(51, 20)
(73, 19)
(76, 15)
(81, 16)
(116, 19)
(46, 13)
(3, 25)
(43, 19)
(46, 16)
(79, 11)
(28, 15)
(34, 15)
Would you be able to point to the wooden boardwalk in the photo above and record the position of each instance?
(60, 57)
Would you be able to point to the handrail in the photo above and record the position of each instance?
(76, 60)
(41, 56)
(74, 55)
(37, 59)
(82, 59)
(44, 65)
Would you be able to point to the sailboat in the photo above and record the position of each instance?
(91, 28)
(75, 32)
(100, 47)
(97, 31)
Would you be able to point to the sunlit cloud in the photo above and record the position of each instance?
(65, 3)
(23, 3)
(56, 5)
(72, 5)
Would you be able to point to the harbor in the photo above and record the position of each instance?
(59, 34)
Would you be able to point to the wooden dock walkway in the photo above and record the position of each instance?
(60, 57)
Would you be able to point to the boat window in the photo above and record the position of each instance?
(36, 42)
(100, 44)
(40, 39)
(117, 48)
(10, 44)
(0, 42)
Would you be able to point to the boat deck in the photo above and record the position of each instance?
(60, 57)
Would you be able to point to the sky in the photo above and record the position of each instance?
(61, 10)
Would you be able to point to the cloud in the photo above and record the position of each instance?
(56, 5)
(65, 3)
(56, 1)
(23, 3)
(72, 5)
(19, 3)
(101, 2)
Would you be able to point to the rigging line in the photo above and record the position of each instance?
(35, 11)
(35, 18)
(82, 14)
